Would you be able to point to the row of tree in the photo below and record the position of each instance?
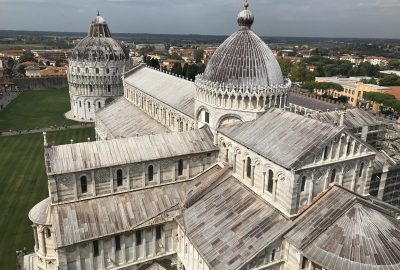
(386, 100)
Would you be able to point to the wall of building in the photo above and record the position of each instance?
(42, 83)
(67, 187)
(92, 85)
(130, 252)
(159, 111)
(45, 247)
(284, 189)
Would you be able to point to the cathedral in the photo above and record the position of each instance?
(215, 174)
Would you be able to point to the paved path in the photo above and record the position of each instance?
(49, 129)
(7, 98)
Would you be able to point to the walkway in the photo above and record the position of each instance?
(49, 129)
(7, 97)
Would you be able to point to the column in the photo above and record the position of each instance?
(159, 173)
(311, 189)
(263, 183)
(382, 183)
(234, 162)
(337, 155)
(43, 242)
(327, 179)
(134, 246)
(35, 233)
(111, 181)
(243, 168)
(252, 175)
(93, 184)
(75, 187)
(355, 176)
(188, 168)
(154, 241)
(173, 172)
(274, 188)
(128, 180)
(143, 175)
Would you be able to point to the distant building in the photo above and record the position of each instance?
(14, 54)
(32, 71)
(52, 54)
(354, 59)
(157, 47)
(376, 60)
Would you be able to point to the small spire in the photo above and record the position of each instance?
(45, 144)
(98, 12)
(246, 4)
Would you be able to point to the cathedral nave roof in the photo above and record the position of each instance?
(344, 231)
(102, 154)
(122, 119)
(230, 225)
(115, 214)
(171, 90)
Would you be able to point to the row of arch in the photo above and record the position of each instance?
(120, 176)
(165, 115)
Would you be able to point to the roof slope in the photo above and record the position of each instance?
(122, 119)
(282, 137)
(171, 90)
(99, 217)
(91, 155)
(230, 225)
(39, 214)
(354, 118)
(343, 231)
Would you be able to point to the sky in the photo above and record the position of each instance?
(298, 18)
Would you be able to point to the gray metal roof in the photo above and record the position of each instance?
(230, 225)
(99, 45)
(354, 118)
(100, 217)
(282, 137)
(171, 90)
(343, 231)
(312, 103)
(244, 59)
(122, 119)
(100, 154)
(39, 214)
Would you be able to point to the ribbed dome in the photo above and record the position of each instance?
(99, 45)
(244, 59)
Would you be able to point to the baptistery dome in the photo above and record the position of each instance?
(244, 59)
(95, 71)
(99, 45)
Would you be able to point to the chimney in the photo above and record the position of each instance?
(342, 115)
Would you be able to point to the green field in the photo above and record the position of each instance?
(36, 109)
(23, 184)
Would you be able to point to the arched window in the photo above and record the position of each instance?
(303, 184)
(47, 232)
(333, 175)
(119, 178)
(270, 184)
(207, 117)
(99, 105)
(83, 184)
(91, 88)
(79, 70)
(150, 172)
(273, 255)
(97, 70)
(248, 167)
(348, 148)
(80, 104)
(326, 152)
(180, 167)
(108, 70)
(109, 88)
(360, 172)
(87, 70)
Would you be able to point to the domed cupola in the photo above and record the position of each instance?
(242, 76)
(95, 70)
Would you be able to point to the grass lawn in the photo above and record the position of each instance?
(23, 184)
(36, 109)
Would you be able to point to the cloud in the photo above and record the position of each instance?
(347, 18)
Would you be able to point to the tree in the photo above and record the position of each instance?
(390, 80)
(26, 56)
(177, 69)
(198, 55)
(300, 73)
(286, 66)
